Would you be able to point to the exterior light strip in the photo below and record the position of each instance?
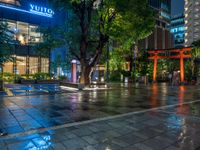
(25, 11)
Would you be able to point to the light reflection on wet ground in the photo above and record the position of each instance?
(151, 130)
(20, 114)
(33, 89)
(174, 127)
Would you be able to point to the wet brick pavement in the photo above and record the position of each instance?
(24, 113)
(172, 128)
(169, 128)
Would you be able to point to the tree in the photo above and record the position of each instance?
(93, 22)
(195, 52)
(6, 44)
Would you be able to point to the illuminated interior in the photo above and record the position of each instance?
(34, 65)
(25, 33)
(13, 2)
(22, 63)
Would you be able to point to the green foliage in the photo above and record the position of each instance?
(126, 73)
(115, 76)
(41, 76)
(188, 70)
(135, 22)
(49, 41)
(196, 50)
(143, 63)
(6, 43)
(142, 66)
(117, 59)
(194, 62)
(123, 21)
(10, 77)
(91, 24)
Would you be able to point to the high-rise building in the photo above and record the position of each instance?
(161, 38)
(163, 8)
(178, 30)
(192, 21)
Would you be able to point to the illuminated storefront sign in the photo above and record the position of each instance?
(41, 10)
(34, 9)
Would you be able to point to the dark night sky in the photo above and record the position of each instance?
(177, 7)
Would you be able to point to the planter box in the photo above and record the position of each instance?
(73, 85)
(98, 85)
(27, 81)
(48, 81)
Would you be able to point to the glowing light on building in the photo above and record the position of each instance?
(34, 9)
(39, 10)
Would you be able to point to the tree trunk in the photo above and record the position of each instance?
(134, 58)
(85, 75)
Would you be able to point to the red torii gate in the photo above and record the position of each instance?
(154, 55)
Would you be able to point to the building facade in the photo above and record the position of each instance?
(161, 38)
(192, 21)
(24, 18)
(177, 28)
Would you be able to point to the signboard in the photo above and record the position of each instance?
(33, 9)
(41, 10)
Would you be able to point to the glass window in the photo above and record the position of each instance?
(33, 65)
(21, 65)
(45, 65)
(8, 67)
(34, 36)
(22, 33)
(12, 26)
(13, 2)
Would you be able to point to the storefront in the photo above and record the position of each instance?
(23, 19)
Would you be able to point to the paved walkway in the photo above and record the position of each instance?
(172, 127)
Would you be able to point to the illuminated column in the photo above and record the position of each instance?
(181, 67)
(155, 67)
(74, 71)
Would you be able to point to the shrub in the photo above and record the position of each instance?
(41, 76)
(115, 76)
(10, 77)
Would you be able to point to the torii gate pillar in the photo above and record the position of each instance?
(155, 67)
(181, 67)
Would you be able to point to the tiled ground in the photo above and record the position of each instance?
(24, 113)
(167, 128)
(163, 129)
(32, 89)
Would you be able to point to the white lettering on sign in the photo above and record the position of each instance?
(41, 10)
